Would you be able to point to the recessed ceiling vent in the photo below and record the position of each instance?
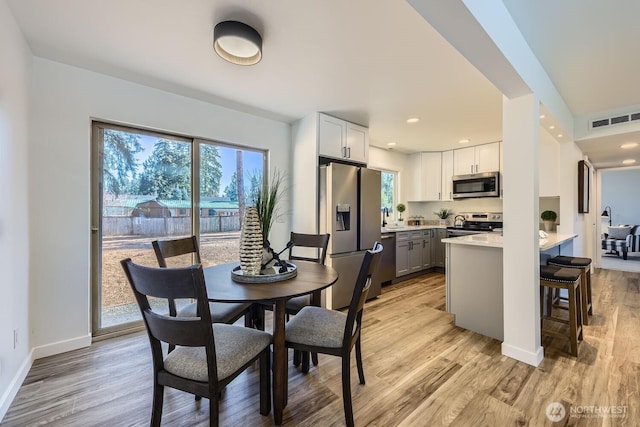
(625, 118)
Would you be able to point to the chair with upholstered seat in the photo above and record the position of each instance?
(319, 330)
(207, 356)
(221, 312)
(319, 242)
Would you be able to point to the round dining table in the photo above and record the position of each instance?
(311, 278)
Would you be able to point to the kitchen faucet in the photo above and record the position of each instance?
(385, 214)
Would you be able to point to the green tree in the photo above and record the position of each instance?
(119, 167)
(167, 172)
(387, 191)
(231, 190)
(210, 170)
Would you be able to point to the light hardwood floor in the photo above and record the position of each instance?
(420, 371)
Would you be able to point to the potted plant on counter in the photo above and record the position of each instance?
(443, 214)
(549, 220)
(401, 208)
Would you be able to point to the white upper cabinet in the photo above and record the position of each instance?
(342, 140)
(427, 182)
(331, 136)
(357, 143)
(478, 159)
(447, 173)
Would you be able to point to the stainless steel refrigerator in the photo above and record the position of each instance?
(350, 211)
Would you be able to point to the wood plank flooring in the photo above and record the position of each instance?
(420, 370)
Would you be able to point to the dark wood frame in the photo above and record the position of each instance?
(188, 282)
(583, 187)
(352, 330)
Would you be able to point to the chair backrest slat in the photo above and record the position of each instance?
(185, 282)
(318, 241)
(184, 331)
(363, 283)
(171, 248)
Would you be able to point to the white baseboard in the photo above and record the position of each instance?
(38, 353)
(61, 346)
(528, 357)
(14, 386)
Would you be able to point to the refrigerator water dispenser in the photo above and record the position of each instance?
(343, 217)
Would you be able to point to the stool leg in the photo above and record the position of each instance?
(583, 299)
(590, 311)
(573, 321)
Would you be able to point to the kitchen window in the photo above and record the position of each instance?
(388, 188)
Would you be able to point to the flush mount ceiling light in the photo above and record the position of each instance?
(464, 141)
(391, 144)
(413, 119)
(628, 161)
(237, 43)
(629, 145)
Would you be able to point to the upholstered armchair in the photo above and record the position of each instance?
(623, 239)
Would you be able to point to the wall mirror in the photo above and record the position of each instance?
(583, 187)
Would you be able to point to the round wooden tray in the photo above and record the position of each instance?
(237, 276)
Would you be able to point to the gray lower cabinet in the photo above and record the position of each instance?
(426, 249)
(437, 247)
(408, 252)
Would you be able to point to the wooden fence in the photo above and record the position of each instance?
(127, 226)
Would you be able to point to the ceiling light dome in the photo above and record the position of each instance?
(237, 43)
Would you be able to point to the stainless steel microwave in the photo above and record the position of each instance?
(476, 185)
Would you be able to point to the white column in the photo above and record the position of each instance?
(521, 255)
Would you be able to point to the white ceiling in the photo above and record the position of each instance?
(375, 63)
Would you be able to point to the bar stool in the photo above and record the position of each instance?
(562, 278)
(584, 264)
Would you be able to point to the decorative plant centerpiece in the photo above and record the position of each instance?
(259, 263)
(443, 214)
(549, 220)
(401, 208)
(267, 200)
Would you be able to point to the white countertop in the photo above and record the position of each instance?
(494, 240)
(401, 228)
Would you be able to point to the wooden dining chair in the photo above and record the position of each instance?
(207, 356)
(320, 242)
(221, 312)
(319, 330)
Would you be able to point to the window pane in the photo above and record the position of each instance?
(388, 188)
(228, 176)
(146, 195)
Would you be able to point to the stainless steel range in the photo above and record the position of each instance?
(475, 222)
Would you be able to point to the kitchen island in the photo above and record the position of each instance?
(475, 282)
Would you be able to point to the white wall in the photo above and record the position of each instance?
(15, 65)
(65, 99)
(617, 190)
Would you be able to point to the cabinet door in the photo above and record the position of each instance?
(437, 247)
(415, 166)
(431, 166)
(331, 136)
(464, 161)
(426, 250)
(357, 143)
(488, 157)
(402, 256)
(447, 173)
(415, 255)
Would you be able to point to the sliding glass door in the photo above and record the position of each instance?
(148, 186)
